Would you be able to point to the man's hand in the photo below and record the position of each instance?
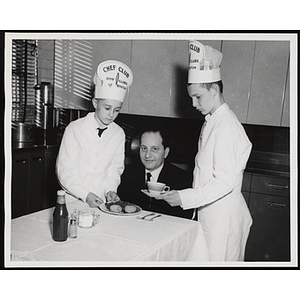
(93, 200)
(171, 197)
(112, 197)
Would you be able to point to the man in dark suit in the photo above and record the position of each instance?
(154, 149)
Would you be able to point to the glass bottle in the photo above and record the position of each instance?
(73, 229)
(60, 218)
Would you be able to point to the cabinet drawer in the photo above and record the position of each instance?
(270, 185)
(269, 238)
(246, 182)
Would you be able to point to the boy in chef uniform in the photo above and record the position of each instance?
(91, 155)
(223, 152)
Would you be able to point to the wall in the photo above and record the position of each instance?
(46, 61)
(255, 76)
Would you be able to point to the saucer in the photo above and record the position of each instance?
(153, 194)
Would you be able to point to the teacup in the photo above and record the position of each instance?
(157, 187)
(86, 218)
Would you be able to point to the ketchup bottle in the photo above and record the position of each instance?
(60, 218)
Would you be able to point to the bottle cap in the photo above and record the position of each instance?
(61, 197)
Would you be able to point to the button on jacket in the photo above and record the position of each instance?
(89, 163)
(223, 152)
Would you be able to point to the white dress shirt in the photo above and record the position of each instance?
(154, 174)
(87, 163)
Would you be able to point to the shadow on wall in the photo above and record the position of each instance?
(183, 134)
(183, 102)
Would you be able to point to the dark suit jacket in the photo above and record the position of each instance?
(133, 181)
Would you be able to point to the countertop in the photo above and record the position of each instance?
(267, 163)
(31, 147)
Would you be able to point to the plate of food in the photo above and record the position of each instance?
(120, 208)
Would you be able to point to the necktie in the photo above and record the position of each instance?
(148, 175)
(100, 131)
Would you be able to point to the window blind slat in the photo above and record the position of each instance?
(24, 76)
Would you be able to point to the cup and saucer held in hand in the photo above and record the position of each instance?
(156, 189)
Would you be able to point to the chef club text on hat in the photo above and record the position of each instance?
(112, 79)
(204, 63)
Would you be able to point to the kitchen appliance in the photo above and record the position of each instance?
(22, 134)
(43, 119)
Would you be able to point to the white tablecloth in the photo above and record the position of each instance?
(115, 240)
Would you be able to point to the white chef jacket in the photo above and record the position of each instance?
(87, 163)
(223, 152)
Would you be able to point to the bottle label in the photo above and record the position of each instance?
(60, 229)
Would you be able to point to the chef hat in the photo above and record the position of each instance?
(204, 64)
(112, 79)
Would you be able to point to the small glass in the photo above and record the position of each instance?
(86, 218)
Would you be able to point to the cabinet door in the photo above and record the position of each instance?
(20, 180)
(36, 181)
(269, 238)
(246, 186)
(180, 101)
(236, 70)
(268, 82)
(51, 182)
(246, 197)
(285, 119)
(152, 63)
(277, 186)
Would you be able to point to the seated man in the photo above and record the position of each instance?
(154, 149)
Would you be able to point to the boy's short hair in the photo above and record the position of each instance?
(208, 85)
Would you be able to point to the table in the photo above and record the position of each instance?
(114, 241)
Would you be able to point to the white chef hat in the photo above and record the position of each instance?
(204, 64)
(112, 79)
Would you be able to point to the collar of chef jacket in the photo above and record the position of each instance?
(219, 110)
(96, 125)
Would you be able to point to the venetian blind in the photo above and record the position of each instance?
(73, 74)
(24, 78)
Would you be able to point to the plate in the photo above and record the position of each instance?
(154, 195)
(104, 209)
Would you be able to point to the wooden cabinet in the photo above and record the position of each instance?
(255, 76)
(36, 180)
(20, 183)
(27, 181)
(246, 186)
(51, 185)
(151, 66)
(180, 101)
(236, 75)
(285, 119)
(269, 205)
(270, 68)
(34, 183)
